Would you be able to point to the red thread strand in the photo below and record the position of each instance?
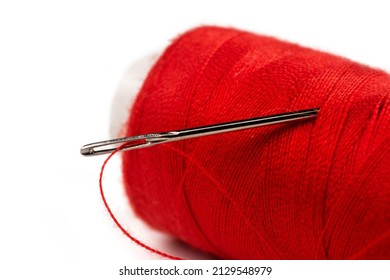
(119, 225)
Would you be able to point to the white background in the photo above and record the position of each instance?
(60, 65)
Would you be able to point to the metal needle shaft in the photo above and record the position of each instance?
(146, 140)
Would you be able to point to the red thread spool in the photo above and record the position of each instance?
(310, 190)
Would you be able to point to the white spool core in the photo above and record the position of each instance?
(127, 91)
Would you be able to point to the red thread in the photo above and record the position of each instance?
(308, 190)
(125, 232)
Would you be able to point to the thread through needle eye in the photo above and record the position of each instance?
(147, 140)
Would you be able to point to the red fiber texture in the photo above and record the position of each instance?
(118, 224)
(314, 189)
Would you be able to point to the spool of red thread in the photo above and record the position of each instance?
(307, 190)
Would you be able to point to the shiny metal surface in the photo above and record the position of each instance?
(147, 140)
